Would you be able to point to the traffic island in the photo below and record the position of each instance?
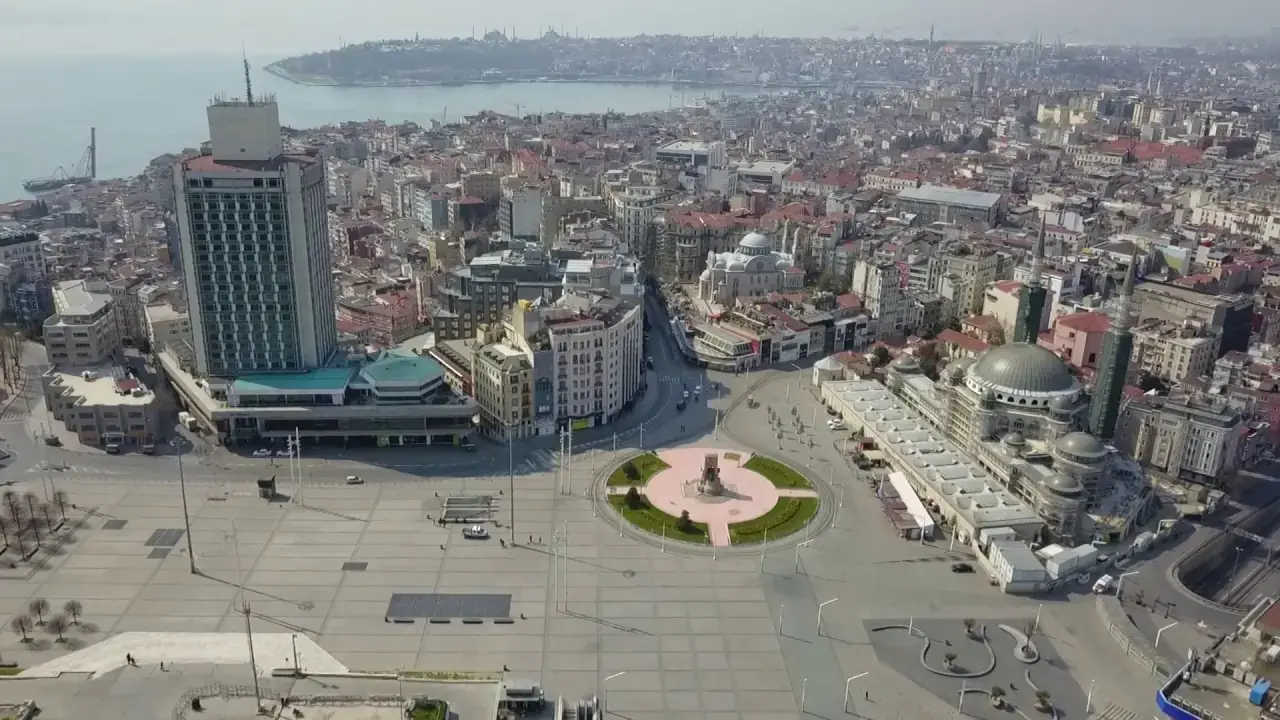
(711, 496)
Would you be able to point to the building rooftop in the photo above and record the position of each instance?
(950, 196)
(102, 385)
(401, 366)
(80, 297)
(324, 380)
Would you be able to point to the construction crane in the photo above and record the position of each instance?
(515, 105)
(83, 173)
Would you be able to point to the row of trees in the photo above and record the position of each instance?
(27, 522)
(10, 355)
(58, 625)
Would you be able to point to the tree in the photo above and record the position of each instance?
(56, 626)
(33, 518)
(5, 525)
(949, 660)
(60, 499)
(997, 696)
(969, 625)
(631, 471)
(22, 626)
(685, 523)
(634, 501)
(38, 607)
(1042, 701)
(74, 609)
(880, 356)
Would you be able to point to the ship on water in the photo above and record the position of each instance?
(82, 174)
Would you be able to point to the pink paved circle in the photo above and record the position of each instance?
(748, 495)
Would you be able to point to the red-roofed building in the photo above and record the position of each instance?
(1077, 338)
(958, 345)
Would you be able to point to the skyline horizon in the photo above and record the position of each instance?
(289, 27)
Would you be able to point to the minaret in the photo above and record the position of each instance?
(1113, 366)
(1031, 299)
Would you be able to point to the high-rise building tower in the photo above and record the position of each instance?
(255, 247)
(1031, 299)
(1113, 366)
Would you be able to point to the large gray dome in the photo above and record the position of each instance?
(1080, 445)
(1063, 484)
(755, 240)
(1022, 367)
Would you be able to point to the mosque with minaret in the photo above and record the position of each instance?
(753, 269)
(1022, 413)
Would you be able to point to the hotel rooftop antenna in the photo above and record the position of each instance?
(248, 82)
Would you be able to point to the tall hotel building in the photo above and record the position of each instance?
(255, 245)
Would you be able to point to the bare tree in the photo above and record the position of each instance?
(5, 526)
(60, 499)
(22, 626)
(56, 626)
(38, 607)
(33, 518)
(46, 511)
(73, 608)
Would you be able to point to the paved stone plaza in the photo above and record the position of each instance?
(724, 637)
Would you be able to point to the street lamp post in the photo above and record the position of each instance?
(847, 683)
(604, 693)
(804, 544)
(1161, 632)
(1235, 564)
(1120, 583)
(782, 610)
(176, 443)
(820, 606)
(1035, 626)
(511, 484)
(1088, 699)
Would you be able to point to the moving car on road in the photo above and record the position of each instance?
(262, 452)
(53, 441)
(354, 480)
(961, 567)
(284, 453)
(475, 532)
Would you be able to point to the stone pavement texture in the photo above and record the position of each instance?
(697, 636)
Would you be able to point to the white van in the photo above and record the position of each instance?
(1103, 584)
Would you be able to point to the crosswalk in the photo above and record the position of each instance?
(541, 461)
(73, 470)
(1115, 712)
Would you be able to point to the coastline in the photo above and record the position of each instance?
(316, 81)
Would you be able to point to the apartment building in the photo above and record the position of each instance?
(937, 203)
(883, 295)
(83, 331)
(1172, 352)
(166, 325)
(502, 380)
(1187, 437)
(485, 289)
(1230, 317)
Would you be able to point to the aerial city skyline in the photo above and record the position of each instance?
(651, 376)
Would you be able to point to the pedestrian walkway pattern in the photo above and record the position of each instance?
(746, 495)
(270, 651)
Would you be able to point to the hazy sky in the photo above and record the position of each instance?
(93, 27)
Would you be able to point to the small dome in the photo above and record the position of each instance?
(1063, 403)
(706, 275)
(736, 266)
(956, 371)
(719, 265)
(1063, 484)
(755, 240)
(1080, 445)
(1015, 439)
(905, 364)
(782, 266)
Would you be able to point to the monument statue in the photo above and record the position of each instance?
(709, 483)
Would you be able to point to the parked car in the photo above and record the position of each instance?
(53, 441)
(682, 405)
(961, 567)
(262, 452)
(284, 453)
(354, 480)
(475, 532)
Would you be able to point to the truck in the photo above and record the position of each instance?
(187, 420)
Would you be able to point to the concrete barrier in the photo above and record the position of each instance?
(1128, 637)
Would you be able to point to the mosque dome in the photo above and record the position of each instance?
(755, 241)
(1015, 439)
(1063, 404)
(905, 364)
(736, 266)
(706, 275)
(1063, 484)
(1080, 447)
(1024, 368)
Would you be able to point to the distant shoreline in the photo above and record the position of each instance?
(318, 81)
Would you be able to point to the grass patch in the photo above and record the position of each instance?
(446, 675)
(430, 710)
(788, 516)
(637, 470)
(775, 472)
(652, 520)
(9, 671)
